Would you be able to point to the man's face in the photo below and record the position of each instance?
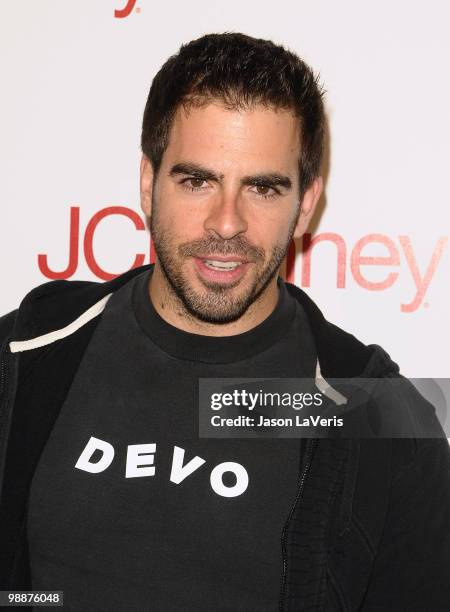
(225, 205)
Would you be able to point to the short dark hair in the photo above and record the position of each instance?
(239, 71)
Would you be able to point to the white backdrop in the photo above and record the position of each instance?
(75, 77)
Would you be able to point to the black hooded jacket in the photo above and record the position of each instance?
(369, 528)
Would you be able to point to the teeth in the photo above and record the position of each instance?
(222, 265)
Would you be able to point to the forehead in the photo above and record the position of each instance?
(258, 137)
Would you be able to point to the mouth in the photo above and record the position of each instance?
(221, 269)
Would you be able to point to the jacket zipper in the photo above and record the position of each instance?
(3, 407)
(4, 357)
(3, 371)
(309, 455)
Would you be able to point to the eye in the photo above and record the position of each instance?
(265, 191)
(193, 183)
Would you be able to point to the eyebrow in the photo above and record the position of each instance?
(269, 179)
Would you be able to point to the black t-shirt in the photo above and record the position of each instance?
(126, 511)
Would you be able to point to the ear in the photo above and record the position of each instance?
(146, 185)
(310, 199)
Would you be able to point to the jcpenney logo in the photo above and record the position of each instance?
(400, 258)
(126, 10)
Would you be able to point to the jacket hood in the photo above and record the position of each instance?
(57, 304)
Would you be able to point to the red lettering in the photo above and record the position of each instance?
(422, 284)
(89, 239)
(121, 13)
(357, 260)
(306, 257)
(73, 250)
(290, 263)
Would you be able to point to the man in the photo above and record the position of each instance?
(107, 491)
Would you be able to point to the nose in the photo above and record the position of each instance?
(225, 218)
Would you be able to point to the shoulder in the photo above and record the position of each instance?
(50, 305)
(56, 304)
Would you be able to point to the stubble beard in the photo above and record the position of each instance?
(217, 304)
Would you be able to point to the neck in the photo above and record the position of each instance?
(170, 308)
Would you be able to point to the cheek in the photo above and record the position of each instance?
(269, 227)
(177, 214)
(183, 227)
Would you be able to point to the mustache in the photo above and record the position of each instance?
(213, 246)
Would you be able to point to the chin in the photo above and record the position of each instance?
(217, 305)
